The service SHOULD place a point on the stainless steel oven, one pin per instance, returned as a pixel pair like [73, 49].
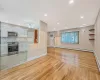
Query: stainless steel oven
[12, 48]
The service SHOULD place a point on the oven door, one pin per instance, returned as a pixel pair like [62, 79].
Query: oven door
[12, 48]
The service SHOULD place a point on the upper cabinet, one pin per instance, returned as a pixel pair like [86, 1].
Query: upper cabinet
[5, 28]
[22, 32]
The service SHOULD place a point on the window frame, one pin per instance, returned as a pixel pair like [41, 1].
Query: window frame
[69, 42]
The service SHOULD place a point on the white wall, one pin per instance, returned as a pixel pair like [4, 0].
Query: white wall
[40, 48]
[97, 39]
[84, 42]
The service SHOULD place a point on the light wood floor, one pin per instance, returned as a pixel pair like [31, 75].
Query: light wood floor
[59, 64]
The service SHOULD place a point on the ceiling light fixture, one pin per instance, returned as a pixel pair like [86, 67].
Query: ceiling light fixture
[71, 1]
[58, 23]
[81, 26]
[45, 15]
[81, 17]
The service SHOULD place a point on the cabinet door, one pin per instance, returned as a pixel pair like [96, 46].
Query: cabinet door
[4, 31]
[4, 49]
[22, 32]
[25, 33]
[23, 46]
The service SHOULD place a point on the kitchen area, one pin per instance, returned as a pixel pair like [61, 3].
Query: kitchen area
[14, 42]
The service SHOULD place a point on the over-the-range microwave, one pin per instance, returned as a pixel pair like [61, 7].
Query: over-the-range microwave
[12, 34]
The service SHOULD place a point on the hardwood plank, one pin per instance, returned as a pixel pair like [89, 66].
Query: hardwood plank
[59, 64]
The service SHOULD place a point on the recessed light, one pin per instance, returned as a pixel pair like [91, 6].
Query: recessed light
[71, 1]
[58, 23]
[81, 17]
[45, 15]
[81, 26]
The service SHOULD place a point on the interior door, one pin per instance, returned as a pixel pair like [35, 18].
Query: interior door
[52, 40]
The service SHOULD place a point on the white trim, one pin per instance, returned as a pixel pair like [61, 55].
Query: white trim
[82, 50]
[97, 60]
[51, 46]
[35, 57]
[73, 48]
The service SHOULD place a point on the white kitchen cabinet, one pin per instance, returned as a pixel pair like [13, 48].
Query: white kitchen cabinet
[4, 49]
[22, 32]
[25, 32]
[23, 46]
[5, 29]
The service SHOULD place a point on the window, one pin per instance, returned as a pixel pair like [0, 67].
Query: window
[70, 37]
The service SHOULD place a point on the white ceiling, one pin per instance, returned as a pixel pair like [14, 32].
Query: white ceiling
[58, 11]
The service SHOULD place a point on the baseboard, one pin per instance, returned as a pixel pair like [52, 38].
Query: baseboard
[83, 50]
[97, 60]
[35, 57]
[51, 46]
[74, 49]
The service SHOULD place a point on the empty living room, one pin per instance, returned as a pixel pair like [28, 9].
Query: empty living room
[49, 39]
